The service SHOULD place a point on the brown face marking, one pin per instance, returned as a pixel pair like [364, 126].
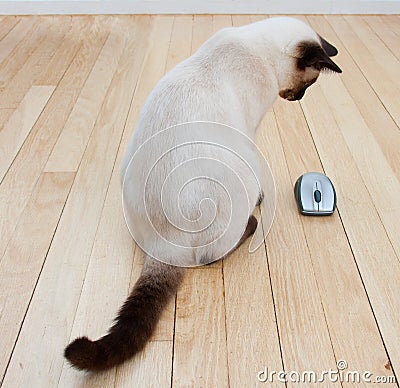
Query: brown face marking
[310, 58]
[311, 54]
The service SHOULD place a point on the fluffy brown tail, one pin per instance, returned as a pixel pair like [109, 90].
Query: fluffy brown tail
[135, 322]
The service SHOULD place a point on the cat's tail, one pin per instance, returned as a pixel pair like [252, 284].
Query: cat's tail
[135, 322]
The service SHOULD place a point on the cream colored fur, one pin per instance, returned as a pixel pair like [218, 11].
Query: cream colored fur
[233, 79]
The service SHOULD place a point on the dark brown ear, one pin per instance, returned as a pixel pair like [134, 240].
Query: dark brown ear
[330, 49]
[327, 63]
[311, 54]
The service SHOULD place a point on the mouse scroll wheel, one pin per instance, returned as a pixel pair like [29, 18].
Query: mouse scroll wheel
[317, 196]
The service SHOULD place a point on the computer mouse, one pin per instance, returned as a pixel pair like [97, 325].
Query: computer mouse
[315, 194]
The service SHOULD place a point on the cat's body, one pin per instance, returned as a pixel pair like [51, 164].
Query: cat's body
[232, 79]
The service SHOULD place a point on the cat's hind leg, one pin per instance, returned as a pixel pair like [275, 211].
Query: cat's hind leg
[250, 229]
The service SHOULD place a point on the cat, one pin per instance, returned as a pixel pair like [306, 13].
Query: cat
[232, 79]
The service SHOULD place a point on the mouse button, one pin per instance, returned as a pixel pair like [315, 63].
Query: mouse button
[317, 185]
[297, 187]
[317, 196]
[298, 194]
[306, 194]
[328, 197]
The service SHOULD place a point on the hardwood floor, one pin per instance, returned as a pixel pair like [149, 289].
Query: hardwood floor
[321, 290]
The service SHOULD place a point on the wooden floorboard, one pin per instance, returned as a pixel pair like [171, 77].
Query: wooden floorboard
[7, 24]
[319, 291]
[68, 151]
[17, 185]
[339, 285]
[111, 224]
[16, 47]
[298, 306]
[373, 58]
[373, 111]
[17, 128]
[25, 255]
[16, 88]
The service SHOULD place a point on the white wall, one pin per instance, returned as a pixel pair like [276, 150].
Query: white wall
[198, 6]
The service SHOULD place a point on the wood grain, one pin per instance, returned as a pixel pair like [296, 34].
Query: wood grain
[111, 258]
[155, 367]
[380, 181]
[21, 178]
[25, 55]
[376, 260]
[180, 42]
[53, 71]
[374, 59]
[250, 317]
[202, 30]
[68, 257]
[298, 305]
[200, 339]
[67, 152]
[351, 323]
[26, 252]
[7, 24]
[221, 21]
[16, 88]
[13, 47]
[385, 32]
[320, 290]
[374, 113]
[17, 128]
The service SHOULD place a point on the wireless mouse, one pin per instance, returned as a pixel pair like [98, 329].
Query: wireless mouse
[315, 194]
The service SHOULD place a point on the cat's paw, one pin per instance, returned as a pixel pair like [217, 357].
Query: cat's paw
[251, 226]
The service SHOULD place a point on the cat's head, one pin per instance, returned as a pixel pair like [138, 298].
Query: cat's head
[303, 55]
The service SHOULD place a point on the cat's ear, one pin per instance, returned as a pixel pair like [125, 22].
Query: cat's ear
[328, 64]
[313, 55]
[330, 49]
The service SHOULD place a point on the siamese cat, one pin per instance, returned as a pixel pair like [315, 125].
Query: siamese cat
[233, 79]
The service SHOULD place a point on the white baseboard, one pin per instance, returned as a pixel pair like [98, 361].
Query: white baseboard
[23, 7]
